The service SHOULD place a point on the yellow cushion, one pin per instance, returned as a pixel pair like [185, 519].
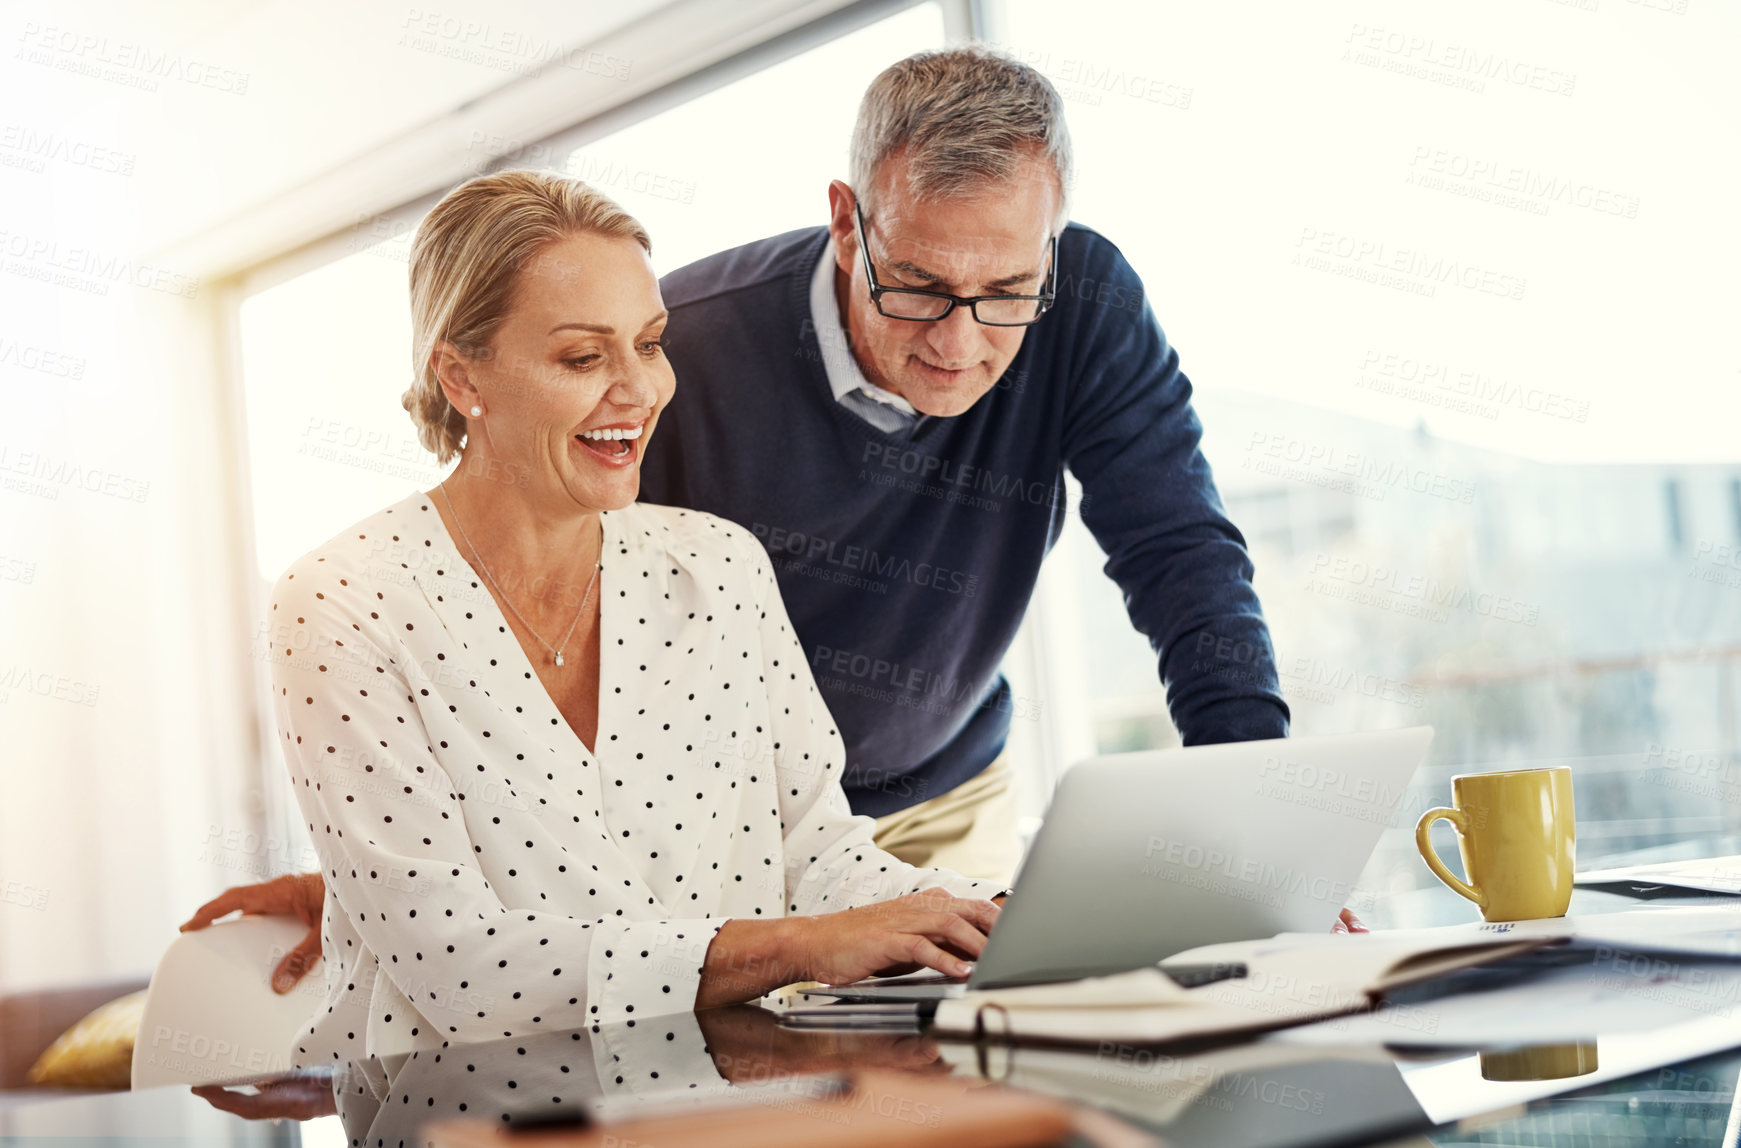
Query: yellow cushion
[97, 1052]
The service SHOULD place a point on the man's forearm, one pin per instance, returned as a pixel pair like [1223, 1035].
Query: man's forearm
[1249, 718]
[1223, 683]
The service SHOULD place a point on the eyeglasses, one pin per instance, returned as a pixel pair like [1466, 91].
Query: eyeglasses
[929, 306]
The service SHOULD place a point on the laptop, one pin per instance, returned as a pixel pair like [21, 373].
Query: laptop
[1145, 855]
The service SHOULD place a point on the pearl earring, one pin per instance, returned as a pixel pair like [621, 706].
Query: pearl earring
[477, 412]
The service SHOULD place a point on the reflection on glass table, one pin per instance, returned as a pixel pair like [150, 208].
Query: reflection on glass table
[1272, 1093]
[1692, 1105]
[1296, 1088]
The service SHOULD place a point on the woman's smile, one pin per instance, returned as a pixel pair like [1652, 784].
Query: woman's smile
[615, 446]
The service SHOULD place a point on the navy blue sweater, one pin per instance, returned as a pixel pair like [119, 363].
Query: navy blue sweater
[907, 561]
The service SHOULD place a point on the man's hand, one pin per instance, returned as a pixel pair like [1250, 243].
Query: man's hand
[1349, 923]
[298, 895]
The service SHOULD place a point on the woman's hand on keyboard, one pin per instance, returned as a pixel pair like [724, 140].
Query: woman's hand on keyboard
[928, 929]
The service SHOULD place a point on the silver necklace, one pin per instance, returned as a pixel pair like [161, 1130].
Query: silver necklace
[587, 597]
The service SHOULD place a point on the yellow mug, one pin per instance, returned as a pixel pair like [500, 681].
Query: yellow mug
[1514, 830]
[1540, 1062]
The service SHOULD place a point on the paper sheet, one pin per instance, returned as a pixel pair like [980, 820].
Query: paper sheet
[1707, 875]
[1703, 930]
[211, 1016]
[1619, 993]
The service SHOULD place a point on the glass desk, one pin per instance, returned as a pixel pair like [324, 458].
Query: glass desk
[1659, 1070]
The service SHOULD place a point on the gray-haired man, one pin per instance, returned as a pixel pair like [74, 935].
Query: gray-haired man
[889, 403]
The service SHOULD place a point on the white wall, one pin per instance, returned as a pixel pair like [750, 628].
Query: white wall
[129, 751]
[125, 726]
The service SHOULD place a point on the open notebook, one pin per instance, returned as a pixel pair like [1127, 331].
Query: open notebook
[1295, 977]
[1287, 979]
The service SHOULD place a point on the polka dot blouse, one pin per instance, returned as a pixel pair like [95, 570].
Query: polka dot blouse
[486, 875]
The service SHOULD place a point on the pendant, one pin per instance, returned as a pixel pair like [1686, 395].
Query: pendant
[559, 657]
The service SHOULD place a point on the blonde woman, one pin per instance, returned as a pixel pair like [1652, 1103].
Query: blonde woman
[560, 753]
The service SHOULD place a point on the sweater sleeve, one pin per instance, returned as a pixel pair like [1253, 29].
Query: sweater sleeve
[831, 860]
[1132, 439]
[391, 836]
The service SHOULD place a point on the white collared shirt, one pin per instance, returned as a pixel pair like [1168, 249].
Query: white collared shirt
[844, 374]
[488, 875]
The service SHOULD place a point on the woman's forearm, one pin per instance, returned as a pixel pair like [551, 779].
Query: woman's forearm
[927, 929]
[748, 959]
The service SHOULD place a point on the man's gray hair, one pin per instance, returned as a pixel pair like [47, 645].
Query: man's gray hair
[966, 117]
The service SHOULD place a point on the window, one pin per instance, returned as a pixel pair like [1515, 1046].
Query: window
[326, 354]
[1478, 459]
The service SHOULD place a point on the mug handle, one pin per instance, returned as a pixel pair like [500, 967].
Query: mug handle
[1424, 842]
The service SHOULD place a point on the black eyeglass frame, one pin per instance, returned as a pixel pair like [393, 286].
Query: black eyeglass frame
[877, 290]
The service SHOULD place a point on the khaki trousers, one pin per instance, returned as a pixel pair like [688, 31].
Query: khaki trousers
[971, 829]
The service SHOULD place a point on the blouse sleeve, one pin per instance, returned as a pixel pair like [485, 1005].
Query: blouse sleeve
[831, 861]
[396, 852]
